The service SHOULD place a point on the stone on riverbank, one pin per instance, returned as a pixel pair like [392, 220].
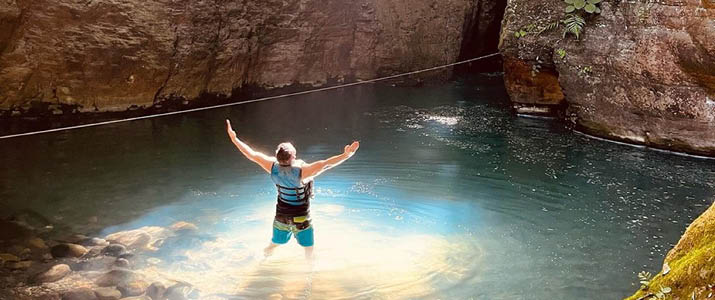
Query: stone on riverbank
[55, 273]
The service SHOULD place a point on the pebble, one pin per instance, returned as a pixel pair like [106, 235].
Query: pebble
[37, 243]
[116, 277]
[156, 291]
[80, 294]
[133, 288]
[8, 257]
[55, 273]
[107, 293]
[114, 250]
[68, 250]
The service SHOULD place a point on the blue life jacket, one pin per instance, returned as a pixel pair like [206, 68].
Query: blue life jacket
[291, 189]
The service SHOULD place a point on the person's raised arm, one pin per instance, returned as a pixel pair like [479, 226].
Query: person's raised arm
[265, 161]
[318, 167]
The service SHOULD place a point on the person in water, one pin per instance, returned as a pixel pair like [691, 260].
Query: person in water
[294, 181]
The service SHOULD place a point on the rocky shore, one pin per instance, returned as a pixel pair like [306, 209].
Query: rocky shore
[79, 267]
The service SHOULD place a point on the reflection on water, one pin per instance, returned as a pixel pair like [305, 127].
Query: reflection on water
[450, 196]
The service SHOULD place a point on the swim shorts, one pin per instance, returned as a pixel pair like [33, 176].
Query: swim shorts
[285, 226]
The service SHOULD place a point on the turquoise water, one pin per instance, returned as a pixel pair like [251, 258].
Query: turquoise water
[449, 197]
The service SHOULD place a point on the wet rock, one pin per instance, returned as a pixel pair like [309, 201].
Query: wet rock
[156, 291]
[139, 238]
[97, 242]
[37, 243]
[182, 291]
[114, 250]
[183, 226]
[122, 263]
[95, 264]
[20, 265]
[137, 298]
[116, 277]
[133, 288]
[80, 294]
[8, 257]
[107, 293]
[55, 273]
[68, 250]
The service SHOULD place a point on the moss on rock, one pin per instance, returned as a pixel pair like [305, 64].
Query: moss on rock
[691, 262]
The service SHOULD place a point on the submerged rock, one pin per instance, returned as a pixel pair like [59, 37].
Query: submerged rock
[107, 293]
[20, 265]
[133, 288]
[117, 277]
[138, 238]
[114, 250]
[55, 273]
[37, 243]
[80, 294]
[183, 226]
[156, 291]
[182, 291]
[68, 250]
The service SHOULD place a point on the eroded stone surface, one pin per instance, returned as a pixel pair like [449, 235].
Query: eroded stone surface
[643, 72]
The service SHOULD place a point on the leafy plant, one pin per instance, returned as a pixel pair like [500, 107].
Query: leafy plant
[644, 279]
[589, 6]
[574, 25]
[561, 53]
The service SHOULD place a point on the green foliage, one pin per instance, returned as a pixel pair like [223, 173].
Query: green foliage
[589, 6]
[574, 25]
[561, 53]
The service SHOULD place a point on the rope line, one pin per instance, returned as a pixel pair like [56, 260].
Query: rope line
[252, 100]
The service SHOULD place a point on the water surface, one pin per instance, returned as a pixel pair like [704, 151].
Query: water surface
[449, 197]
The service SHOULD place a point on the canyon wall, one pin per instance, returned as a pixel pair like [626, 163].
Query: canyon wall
[110, 55]
[641, 72]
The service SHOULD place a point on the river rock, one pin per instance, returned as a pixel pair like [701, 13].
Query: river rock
[183, 226]
[68, 250]
[182, 291]
[97, 242]
[55, 273]
[9, 257]
[122, 263]
[37, 243]
[133, 288]
[137, 298]
[20, 265]
[107, 293]
[94, 264]
[80, 294]
[156, 291]
[135, 239]
[116, 277]
[114, 250]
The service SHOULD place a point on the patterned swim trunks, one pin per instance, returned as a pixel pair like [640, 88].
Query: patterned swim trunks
[285, 226]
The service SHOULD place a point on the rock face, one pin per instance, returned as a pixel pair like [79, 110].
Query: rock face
[642, 71]
[690, 262]
[68, 56]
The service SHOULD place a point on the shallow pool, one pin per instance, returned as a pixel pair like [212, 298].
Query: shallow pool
[449, 197]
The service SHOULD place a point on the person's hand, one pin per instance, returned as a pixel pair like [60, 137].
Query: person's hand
[350, 149]
[229, 130]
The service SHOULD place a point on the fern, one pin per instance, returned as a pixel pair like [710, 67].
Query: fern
[574, 25]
